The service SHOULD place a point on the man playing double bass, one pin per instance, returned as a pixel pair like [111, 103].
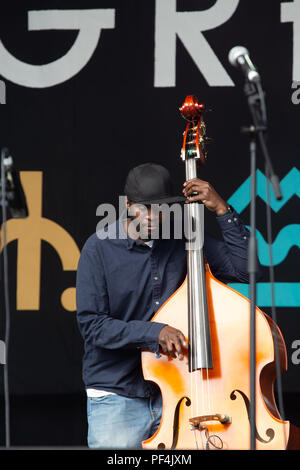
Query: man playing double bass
[122, 280]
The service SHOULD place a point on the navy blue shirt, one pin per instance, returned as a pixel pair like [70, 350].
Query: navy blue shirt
[122, 282]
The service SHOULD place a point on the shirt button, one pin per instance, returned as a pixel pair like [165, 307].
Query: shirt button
[155, 278]
[245, 238]
[157, 303]
[235, 219]
[229, 220]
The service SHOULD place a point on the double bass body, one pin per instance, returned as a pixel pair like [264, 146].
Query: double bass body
[223, 389]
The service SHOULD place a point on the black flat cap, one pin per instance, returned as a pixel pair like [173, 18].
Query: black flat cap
[150, 183]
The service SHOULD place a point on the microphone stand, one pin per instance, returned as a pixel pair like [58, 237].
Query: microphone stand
[12, 198]
[255, 97]
[4, 204]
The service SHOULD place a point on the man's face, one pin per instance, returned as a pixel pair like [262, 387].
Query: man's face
[147, 219]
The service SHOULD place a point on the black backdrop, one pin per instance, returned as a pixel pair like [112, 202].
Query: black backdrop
[85, 133]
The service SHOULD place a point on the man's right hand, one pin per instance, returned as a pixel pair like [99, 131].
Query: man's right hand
[172, 341]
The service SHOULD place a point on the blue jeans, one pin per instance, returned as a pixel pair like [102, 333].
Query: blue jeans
[117, 422]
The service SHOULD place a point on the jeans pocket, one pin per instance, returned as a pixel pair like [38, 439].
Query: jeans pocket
[93, 401]
[99, 399]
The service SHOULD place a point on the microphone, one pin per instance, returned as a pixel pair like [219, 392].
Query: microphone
[239, 57]
[15, 196]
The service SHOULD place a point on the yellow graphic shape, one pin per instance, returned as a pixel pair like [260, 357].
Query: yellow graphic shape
[29, 233]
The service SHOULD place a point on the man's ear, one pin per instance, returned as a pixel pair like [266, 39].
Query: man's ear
[129, 203]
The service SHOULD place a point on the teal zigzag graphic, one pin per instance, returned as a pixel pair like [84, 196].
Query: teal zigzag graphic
[290, 186]
[287, 294]
[287, 237]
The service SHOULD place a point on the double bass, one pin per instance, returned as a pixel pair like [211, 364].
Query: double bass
[206, 396]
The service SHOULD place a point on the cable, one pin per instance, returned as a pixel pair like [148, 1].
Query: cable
[269, 171]
[213, 443]
[273, 308]
[7, 309]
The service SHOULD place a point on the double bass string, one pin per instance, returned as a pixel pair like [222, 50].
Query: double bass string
[196, 409]
[200, 380]
[195, 386]
[194, 383]
[204, 372]
[208, 391]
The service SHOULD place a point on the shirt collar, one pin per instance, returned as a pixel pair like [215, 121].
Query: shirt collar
[123, 235]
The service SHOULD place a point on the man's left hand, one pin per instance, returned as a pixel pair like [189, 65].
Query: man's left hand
[206, 193]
